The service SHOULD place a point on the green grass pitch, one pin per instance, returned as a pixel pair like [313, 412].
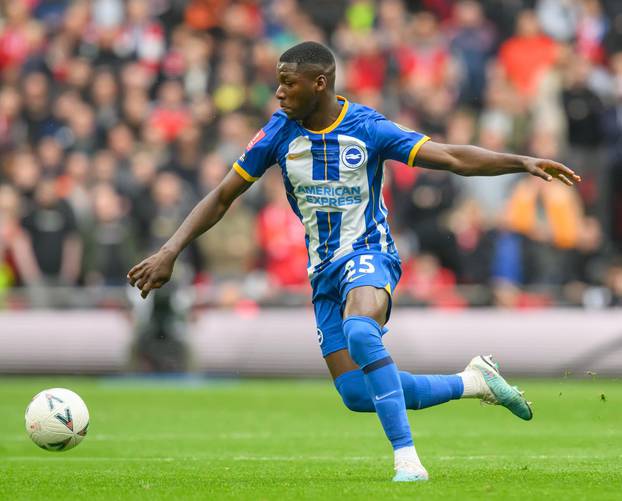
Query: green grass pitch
[274, 440]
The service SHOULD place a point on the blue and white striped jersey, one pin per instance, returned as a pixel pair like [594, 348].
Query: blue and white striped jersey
[333, 177]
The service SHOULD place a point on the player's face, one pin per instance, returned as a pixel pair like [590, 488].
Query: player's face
[297, 91]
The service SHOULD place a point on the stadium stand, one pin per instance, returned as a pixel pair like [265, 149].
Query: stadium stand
[116, 117]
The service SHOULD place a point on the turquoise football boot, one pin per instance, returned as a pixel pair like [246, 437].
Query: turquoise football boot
[497, 391]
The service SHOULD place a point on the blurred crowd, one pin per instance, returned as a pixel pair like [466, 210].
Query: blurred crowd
[116, 117]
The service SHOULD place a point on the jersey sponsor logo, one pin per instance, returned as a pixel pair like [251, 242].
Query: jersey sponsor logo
[353, 156]
[256, 138]
[333, 196]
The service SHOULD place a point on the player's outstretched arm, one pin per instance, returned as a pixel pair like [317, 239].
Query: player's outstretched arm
[156, 270]
[475, 161]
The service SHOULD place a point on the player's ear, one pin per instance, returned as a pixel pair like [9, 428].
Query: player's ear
[321, 82]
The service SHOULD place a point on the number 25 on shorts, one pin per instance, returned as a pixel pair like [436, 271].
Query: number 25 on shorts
[356, 270]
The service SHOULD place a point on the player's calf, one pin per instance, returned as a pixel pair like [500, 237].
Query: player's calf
[354, 394]
[385, 390]
[381, 377]
[420, 391]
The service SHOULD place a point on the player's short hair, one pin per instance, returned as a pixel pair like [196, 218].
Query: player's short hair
[308, 53]
[312, 54]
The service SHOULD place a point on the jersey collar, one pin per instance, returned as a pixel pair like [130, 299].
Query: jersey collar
[335, 124]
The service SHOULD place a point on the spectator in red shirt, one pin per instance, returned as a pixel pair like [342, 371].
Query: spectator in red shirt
[430, 284]
[281, 235]
[204, 14]
[526, 55]
[366, 71]
[20, 37]
[423, 57]
[171, 116]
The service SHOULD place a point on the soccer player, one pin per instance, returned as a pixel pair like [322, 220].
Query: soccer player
[331, 154]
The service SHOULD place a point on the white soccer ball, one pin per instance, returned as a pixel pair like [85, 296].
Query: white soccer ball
[57, 419]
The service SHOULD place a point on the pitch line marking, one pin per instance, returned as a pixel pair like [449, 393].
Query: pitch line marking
[213, 436]
[441, 458]
[298, 458]
[88, 458]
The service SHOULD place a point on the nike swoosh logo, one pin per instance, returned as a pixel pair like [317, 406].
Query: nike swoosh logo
[380, 397]
[355, 278]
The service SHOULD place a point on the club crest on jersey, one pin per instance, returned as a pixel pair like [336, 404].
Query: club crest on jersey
[256, 138]
[320, 336]
[353, 156]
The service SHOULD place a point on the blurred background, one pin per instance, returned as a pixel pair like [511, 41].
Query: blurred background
[116, 117]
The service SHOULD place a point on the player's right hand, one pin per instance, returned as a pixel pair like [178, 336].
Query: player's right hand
[152, 273]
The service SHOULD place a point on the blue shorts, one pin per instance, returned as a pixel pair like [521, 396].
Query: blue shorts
[332, 284]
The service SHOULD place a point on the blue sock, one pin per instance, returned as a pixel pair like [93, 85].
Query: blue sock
[381, 377]
[419, 391]
[353, 390]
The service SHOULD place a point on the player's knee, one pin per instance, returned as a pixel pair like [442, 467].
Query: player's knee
[368, 302]
[363, 335]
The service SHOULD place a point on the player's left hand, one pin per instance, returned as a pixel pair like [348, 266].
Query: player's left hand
[549, 170]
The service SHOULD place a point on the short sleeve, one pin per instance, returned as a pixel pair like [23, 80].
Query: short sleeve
[260, 152]
[394, 141]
